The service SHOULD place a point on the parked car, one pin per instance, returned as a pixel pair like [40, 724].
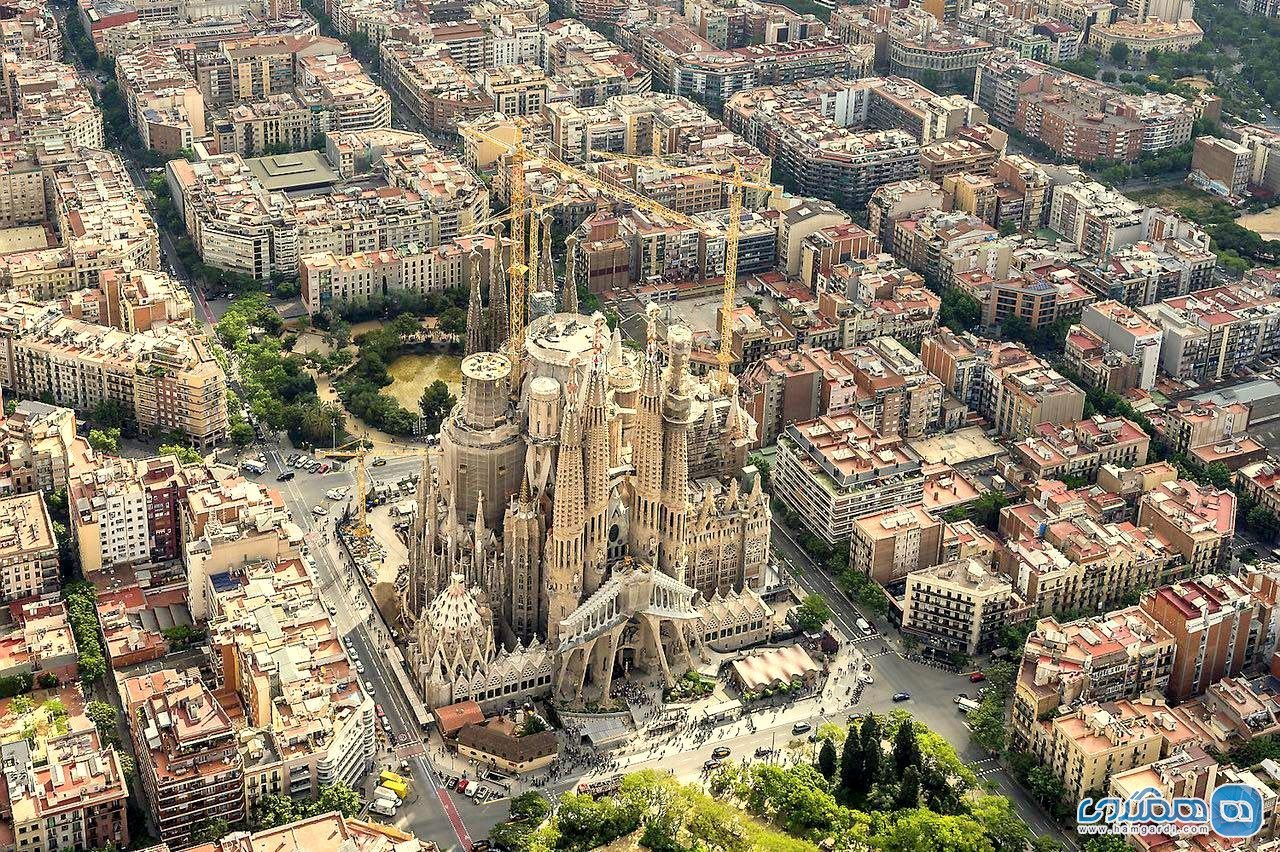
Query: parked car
[902, 696]
[866, 678]
[711, 765]
[377, 708]
[801, 728]
[319, 510]
[285, 476]
[359, 667]
[453, 782]
[977, 677]
[378, 461]
[324, 468]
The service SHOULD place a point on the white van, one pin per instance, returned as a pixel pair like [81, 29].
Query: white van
[966, 705]
[862, 625]
[254, 467]
[382, 809]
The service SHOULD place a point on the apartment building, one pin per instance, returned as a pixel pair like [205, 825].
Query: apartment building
[1091, 358]
[32, 31]
[826, 156]
[1260, 482]
[101, 217]
[1078, 118]
[957, 606]
[435, 88]
[1127, 332]
[1142, 37]
[1150, 271]
[890, 545]
[1191, 425]
[189, 760]
[165, 378]
[71, 797]
[835, 469]
[1220, 628]
[339, 85]
[1209, 334]
[250, 128]
[1030, 394]
[1225, 161]
[257, 67]
[39, 448]
[1122, 654]
[28, 550]
[47, 103]
[921, 48]
[327, 278]
[199, 36]
[1038, 296]
[1081, 562]
[276, 649]
[922, 239]
[1085, 747]
[1056, 450]
[888, 301]
[887, 387]
[22, 183]
[1197, 522]
[780, 389]
[162, 98]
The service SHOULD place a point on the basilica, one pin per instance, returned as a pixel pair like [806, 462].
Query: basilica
[584, 519]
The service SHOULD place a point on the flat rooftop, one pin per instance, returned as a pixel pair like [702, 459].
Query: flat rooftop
[289, 172]
[963, 445]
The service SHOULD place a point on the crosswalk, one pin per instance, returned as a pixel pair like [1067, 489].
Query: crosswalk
[985, 767]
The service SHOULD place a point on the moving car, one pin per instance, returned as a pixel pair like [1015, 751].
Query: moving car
[763, 751]
[720, 751]
[902, 696]
[378, 461]
[801, 728]
[285, 476]
[319, 510]
[862, 625]
[710, 765]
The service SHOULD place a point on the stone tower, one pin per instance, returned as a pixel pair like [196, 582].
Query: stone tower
[499, 317]
[595, 475]
[676, 412]
[646, 456]
[564, 557]
[569, 304]
[522, 538]
[476, 331]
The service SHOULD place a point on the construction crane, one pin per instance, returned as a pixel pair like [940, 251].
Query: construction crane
[520, 154]
[356, 451]
[738, 181]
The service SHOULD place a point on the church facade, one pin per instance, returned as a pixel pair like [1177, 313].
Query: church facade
[561, 539]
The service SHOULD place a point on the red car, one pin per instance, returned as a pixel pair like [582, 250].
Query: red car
[977, 677]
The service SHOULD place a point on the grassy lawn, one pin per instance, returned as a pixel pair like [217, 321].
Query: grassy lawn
[1174, 197]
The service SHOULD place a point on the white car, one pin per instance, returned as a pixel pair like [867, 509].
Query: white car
[359, 667]
[866, 678]
[319, 510]
[336, 493]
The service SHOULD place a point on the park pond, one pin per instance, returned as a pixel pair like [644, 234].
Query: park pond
[411, 373]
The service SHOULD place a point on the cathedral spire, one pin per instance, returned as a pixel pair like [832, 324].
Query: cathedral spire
[475, 312]
[569, 304]
[595, 472]
[646, 454]
[564, 560]
[499, 318]
[676, 416]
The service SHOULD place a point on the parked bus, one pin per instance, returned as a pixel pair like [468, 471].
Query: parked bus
[967, 706]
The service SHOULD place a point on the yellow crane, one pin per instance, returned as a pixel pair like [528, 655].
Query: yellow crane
[356, 451]
[520, 154]
[738, 181]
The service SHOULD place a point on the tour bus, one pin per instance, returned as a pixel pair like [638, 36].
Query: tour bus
[253, 466]
[966, 705]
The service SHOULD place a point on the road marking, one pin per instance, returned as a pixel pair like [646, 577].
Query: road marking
[459, 828]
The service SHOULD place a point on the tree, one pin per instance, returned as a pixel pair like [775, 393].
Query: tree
[105, 441]
[531, 806]
[909, 790]
[210, 830]
[1015, 327]
[103, 716]
[1108, 76]
[827, 760]
[906, 750]
[1006, 831]
[1008, 228]
[534, 724]
[185, 454]
[454, 322]
[959, 311]
[872, 751]
[1218, 475]
[813, 613]
[110, 413]
[21, 705]
[272, 811]
[436, 403]
[336, 797]
[925, 831]
[1120, 53]
[850, 762]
